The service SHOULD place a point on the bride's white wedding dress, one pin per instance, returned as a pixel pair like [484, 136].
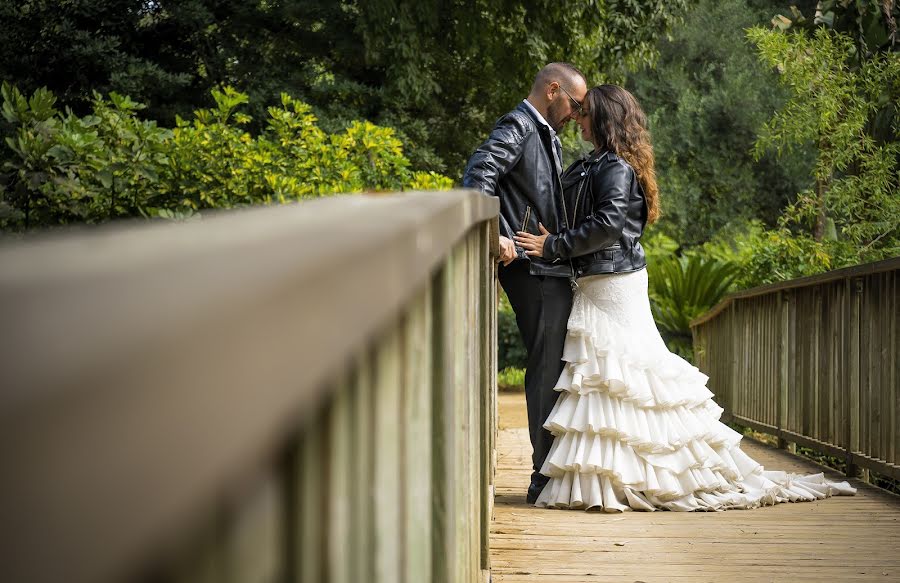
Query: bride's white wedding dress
[635, 426]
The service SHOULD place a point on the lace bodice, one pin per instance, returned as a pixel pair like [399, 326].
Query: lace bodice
[623, 297]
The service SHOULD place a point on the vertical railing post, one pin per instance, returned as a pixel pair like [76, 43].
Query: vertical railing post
[418, 450]
[339, 467]
[726, 359]
[362, 545]
[440, 464]
[487, 369]
[792, 340]
[386, 476]
[735, 344]
[854, 362]
[311, 520]
[784, 363]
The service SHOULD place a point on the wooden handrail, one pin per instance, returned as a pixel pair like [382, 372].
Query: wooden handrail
[813, 361]
[847, 272]
[150, 372]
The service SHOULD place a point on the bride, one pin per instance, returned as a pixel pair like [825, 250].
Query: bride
[634, 425]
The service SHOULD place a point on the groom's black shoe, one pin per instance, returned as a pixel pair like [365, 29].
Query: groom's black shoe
[534, 490]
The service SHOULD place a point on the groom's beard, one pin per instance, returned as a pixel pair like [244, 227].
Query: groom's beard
[557, 119]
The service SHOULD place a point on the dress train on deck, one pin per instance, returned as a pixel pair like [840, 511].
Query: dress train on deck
[635, 427]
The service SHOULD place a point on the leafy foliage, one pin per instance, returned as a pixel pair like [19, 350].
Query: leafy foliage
[511, 378]
[833, 106]
[64, 168]
[706, 99]
[219, 164]
[658, 246]
[419, 67]
[738, 190]
[511, 351]
[872, 24]
[779, 255]
[682, 288]
[763, 255]
[61, 168]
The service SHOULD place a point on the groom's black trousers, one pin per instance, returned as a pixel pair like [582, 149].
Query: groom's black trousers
[542, 305]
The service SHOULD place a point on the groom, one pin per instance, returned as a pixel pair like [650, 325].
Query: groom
[520, 163]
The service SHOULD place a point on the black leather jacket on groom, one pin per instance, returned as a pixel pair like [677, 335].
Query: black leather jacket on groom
[609, 214]
[516, 164]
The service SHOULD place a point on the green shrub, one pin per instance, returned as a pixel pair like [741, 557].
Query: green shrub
[511, 378]
[780, 255]
[658, 246]
[735, 243]
[846, 106]
[60, 168]
[764, 256]
[682, 288]
[510, 349]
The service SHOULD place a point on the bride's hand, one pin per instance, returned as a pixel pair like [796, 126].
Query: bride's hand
[532, 244]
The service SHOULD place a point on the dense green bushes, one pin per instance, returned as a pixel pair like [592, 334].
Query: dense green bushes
[59, 168]
[847, 107]
[439, 72]
[511, 378]
[706, 99]
[511, 354]
[837, 106]
[510, 350]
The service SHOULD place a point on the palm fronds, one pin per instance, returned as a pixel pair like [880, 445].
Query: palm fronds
[682, 288]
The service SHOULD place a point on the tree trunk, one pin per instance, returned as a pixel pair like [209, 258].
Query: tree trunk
[821, 187]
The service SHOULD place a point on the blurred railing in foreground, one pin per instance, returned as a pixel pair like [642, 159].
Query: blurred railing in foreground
[813, 361]
[298, 393]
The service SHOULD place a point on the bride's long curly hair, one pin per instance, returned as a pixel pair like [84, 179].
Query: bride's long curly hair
[619, 125]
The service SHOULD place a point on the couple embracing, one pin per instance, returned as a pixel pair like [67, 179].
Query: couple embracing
[617, 422]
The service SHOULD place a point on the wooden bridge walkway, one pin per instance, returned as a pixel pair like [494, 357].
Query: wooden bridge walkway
[840, 539]
[214, 402]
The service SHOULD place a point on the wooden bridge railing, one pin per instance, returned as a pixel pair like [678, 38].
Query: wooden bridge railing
[813, 361]
[299, 393]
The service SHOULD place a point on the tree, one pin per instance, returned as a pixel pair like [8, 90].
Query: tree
[833, 105]
[75, 48]
[439, 71]
[872, 24]
[706, 99]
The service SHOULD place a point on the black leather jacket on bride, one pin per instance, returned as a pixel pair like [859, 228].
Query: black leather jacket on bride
[610, 213]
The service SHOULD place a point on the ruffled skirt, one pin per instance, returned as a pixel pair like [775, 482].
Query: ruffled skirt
[635, 426]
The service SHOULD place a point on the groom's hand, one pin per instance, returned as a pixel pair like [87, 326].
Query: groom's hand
[533, 244]
[507, 251]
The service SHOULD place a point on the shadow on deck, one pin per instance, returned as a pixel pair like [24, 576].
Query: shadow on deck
[839, 539]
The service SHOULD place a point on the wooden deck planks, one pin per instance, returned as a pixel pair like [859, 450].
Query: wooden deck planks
[840, 539]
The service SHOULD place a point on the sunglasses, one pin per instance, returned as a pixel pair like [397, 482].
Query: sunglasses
[577, 107]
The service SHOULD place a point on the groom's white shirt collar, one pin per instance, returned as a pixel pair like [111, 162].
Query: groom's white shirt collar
[540, 117]
[557, 154]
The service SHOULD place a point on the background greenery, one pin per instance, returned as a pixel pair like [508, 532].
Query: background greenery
[777, 148]
[61, 168]
[775, 130]
[777, 154]
[775, 126]
[419, 67]
[706, 99]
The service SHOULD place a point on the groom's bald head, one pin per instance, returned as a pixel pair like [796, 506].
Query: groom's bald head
[557, 93]
[563, 73]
